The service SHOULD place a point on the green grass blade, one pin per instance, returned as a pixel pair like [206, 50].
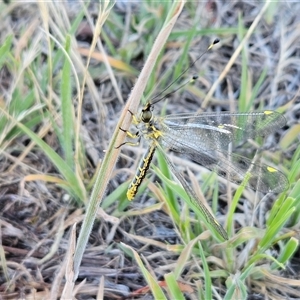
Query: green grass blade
[173, 287]
[153, 284]
[67, 109]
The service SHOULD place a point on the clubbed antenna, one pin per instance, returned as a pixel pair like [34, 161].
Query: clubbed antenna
[155, 100]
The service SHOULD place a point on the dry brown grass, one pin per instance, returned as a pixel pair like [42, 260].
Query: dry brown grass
[36, 212]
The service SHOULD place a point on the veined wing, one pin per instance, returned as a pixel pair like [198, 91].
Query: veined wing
[218, 130]
[193, 197]
[231, 166]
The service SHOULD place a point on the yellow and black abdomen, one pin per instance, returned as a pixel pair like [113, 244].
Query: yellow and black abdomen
[141, 172]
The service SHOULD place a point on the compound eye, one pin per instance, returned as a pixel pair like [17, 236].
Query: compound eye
[146, 116]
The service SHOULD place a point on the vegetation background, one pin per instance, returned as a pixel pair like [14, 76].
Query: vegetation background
[66, 70]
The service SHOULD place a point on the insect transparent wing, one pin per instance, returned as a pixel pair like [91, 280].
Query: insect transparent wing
[234, 167]
[227, 127]
[193, 197]
[204, 137]
[231, 166]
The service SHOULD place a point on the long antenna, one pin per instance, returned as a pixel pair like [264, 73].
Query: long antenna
[216, 41]
[174, 91]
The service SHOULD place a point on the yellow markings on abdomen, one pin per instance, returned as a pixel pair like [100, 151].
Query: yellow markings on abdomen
[141, 173]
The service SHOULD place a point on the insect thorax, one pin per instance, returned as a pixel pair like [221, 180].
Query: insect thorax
[150, 130]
